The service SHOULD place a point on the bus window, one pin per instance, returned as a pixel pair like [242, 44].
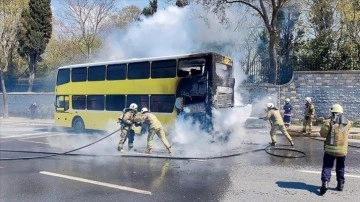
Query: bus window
[116, 72]
[62, 103]
[78, 74]
[140, 100]
[162, 103]
[163, 69]
[139, 70]
[79, 101]
[115, 102]
[95, 102]
[191, 67]
[96, 73]
[63, 76]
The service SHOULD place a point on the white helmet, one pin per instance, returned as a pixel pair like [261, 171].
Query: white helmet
[287, 100]
[144, 109]
[336, 108]
[269, 105]
[308, 99]
[133, 106]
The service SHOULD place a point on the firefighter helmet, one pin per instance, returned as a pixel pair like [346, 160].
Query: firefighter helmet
[133, 106]
[287, 100]
[308, 99]
[269, 105]
[336, 108]
[144, 109]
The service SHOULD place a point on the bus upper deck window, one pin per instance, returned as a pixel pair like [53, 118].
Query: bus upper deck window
[139, 70]
[63, 76]
[96, 73]
[78, 74]
[116, 72]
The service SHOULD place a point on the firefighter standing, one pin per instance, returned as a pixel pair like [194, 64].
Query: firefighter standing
[287, 113]
[336, 132]
[309, 115]
[275, 119]
[127, 125]
[154, 127]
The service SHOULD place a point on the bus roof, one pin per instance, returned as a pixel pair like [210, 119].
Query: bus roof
[139, 60]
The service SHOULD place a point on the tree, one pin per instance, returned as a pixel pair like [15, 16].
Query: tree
[126, 16]
[268, 11]
[10, 12]
[182, 3]
[151, 10]
[34, 33]
[83, 21]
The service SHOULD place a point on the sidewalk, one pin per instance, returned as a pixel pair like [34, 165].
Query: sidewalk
[295, 130]
[25, 120]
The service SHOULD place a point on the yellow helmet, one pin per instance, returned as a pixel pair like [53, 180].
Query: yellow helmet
[336, 108]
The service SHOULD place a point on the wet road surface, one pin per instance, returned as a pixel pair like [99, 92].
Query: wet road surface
[100, 173]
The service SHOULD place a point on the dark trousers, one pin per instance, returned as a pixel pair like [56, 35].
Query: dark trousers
[328, 163]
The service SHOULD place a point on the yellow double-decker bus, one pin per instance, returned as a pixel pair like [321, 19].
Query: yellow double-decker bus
[92, 95]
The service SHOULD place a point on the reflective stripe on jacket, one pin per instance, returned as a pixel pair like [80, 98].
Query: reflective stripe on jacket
[336, 142]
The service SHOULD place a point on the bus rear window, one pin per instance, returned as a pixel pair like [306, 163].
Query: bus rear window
[96, 73]
[115, 102]
[191, 67]
[162, 103]
[163, 69]
[140, 100]
[139, 70]
[63, 76]
[78, 74]
[95, 102]
[116, 72]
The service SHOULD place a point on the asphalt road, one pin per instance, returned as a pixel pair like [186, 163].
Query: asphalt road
[193, 172]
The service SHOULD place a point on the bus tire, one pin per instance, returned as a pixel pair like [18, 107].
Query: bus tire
[78, 125]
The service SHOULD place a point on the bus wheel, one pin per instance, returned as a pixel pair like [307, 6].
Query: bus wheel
[79, 125]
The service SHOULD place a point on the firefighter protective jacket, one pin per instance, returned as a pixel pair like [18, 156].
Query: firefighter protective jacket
[309, 110]
[127, 119]
[274, 116]
[151, 120]
[336, 142]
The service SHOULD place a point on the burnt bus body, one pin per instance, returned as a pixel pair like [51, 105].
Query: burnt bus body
[208, 85]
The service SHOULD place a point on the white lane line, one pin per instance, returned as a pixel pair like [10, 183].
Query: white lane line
[25, 135]
[41, 136]
[21, 140]
[97, 183]
[332, 173]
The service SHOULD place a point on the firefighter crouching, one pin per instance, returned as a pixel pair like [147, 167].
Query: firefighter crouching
[275, 119]
[127, 127]
[309, 115]
[336, 131]
[154, 126]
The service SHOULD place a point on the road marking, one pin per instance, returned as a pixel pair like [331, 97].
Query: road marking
[41, 136]
[332, 173]
[21, 140]
[25, 135]
[97, 183]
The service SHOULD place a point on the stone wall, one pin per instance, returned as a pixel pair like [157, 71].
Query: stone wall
[19, 104]
[325, 89]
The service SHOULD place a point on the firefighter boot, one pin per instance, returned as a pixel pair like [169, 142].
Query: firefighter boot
[120, 148]
[169, 149]
[272, 143]
[324, 188]
[340, 186]
[148, 151]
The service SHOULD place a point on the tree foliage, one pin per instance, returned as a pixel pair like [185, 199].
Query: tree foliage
[34, 33]
[151, 9]
[126, 16]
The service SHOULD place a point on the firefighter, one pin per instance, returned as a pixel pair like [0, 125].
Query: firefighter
[127, 127]
[336, 132]
[287, 113]
[154, 127]
[309, 115]
[275, 119]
